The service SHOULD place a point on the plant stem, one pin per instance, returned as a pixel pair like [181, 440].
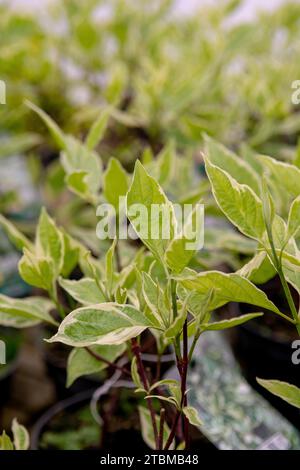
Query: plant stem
[286, 289]
[192, 348]
[175, 314]
[161, 429]
[185, 363]
[289, 299]
[54, 297]
[137, 352]
[173, 430]
[106, 361]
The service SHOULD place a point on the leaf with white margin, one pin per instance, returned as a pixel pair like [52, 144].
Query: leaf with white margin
[21, 436]
[227, 288]
[85, 290]
[49, 241]
[147, 428]
[293, 225]
[284, 390]
[81, 362]
[16, 237]
[182, 248]
[286, 175]
[192, 415]
[259, 269]
[156, 230]
[230, 323]
[22, 313]
[238, 202]
[228, 161]
[106, 323]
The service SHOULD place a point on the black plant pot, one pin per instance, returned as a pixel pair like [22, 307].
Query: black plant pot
[123, 440]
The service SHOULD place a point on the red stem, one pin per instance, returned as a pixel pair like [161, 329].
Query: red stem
[161, 429]
[137, 352]
[106, 361]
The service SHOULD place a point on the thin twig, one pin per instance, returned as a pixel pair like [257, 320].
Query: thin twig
[106, 361]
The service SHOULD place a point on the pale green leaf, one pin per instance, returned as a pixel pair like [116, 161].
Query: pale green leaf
[147, 429]
[115, 183]
[227, 288]
[135, 374]
[192, 415]
[228, 161]
[293, 224]
[85, 290]
[284, 390]
[97, 130]
[81, 362]
[287, 176]
[50, 241]
[5, 442]
[37, 271]
[106, 323]
[238, 202]
[150, 212]
[21, 313]
[16, 237]
[21, 436]
[182, 248]
[230, 323]
[57, 134]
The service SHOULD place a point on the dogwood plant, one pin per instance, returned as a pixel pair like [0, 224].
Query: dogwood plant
[250, 201]
[116, 306]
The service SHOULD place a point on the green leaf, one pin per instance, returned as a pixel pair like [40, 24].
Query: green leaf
[85, 290]
[182, 248]
[57, 134]
[16, 237]
[286, 176]
[83, 168]
[227, 288]
[37, 271]
[5, 442]
[154, 298]
[50, 241]
[293, 224]
[284, 390]
[155, 223]
[115, 183]
[259, 269]
[71, 254]
[192, 415]
[21, 436]
[106, 323]
[228, 161]
[21, 313]
[230, 323]
[109, 267]
[162, 383]
[147, 429]
[81, 362]
[238, 202]
[268, 205]
[135, 375]
[97, 130]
